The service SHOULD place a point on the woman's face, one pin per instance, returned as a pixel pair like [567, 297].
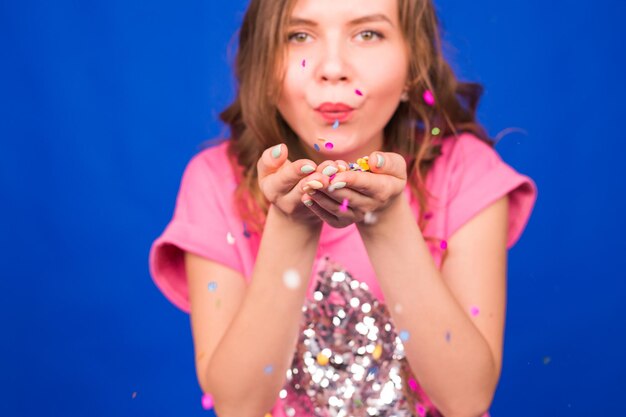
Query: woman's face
[349, 52]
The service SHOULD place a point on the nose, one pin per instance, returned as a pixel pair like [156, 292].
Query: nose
[333, 66]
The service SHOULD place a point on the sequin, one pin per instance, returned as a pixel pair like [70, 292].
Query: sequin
[364, 371]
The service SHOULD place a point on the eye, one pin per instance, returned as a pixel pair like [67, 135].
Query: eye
[298, 37]
[368, 35]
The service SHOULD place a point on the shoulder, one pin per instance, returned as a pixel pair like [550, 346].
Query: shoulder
[209, 167]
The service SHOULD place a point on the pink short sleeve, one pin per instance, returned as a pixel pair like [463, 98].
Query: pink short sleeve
[477, 178]
[199, 225]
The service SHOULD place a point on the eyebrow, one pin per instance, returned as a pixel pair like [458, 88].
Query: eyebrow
[364, 19]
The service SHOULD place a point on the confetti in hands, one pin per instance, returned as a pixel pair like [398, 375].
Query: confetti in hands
[356, 190]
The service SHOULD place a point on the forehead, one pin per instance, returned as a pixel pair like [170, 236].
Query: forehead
[343, 11]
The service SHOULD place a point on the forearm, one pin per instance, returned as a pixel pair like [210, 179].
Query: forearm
[457, 372]
[264, 332]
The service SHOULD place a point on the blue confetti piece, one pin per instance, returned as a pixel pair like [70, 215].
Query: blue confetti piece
[373, 370]
[447, 336]
[268, 369]
[336, 124]
[316, 146]
[212, 286]
[404, 335]
[246, 233]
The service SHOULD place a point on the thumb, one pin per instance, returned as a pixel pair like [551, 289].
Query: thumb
[389, 163]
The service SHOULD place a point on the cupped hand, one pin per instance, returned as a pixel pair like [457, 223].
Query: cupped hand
[352, 194]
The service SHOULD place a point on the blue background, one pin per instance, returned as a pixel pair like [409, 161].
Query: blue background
[102, 105]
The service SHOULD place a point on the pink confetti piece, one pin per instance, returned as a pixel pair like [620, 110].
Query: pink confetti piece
[420, 410]
[475, 311]
[413, 384]
[428, 215]
[448, 337]
[303, 63]
[358, 92]
[444, 245]
[344, 205]
[329, 145]
[207, 401]
[429, 98]
[331, 177]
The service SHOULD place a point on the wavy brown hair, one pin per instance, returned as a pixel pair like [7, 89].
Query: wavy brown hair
[255, 123]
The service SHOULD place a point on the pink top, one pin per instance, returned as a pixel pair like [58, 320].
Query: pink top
[466, 178]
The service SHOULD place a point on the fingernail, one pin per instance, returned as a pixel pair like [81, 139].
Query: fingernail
[308, 203]
[329, 170]
[381, 160]
[316, 185]
[336, 186]
[276, 151]
[307, 169]
[342, 168]
[306, 188]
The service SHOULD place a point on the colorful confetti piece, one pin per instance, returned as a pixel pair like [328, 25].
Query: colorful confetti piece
[404, 335]
[443, 245]
[303, 63]
[547, 360]
[475, 311]
[329, 145]
[370, 218]
[448, 337]
[212, 286]
[435, 131]
[268, 369]
[230, 238]
[421, 411]
[134, 395]
[246, 232]
[429, 98]
[428, 215]
[336, 124]
[317, 147]
[344, 205]
[207, 401]
[358, 92]
[413, 384]
[291, 279]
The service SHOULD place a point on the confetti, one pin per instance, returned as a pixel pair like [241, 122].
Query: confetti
[448, 337]
[268, 369]
[404, 335]
[358, 92]
[372, 371]
[435, 131]
[336, 124]
[344, 205]
[329, 145]
[420, 410]
[246, 232]
[317, 147]
[207, 401]
[230, 238]
[212, 286]
[413, 384]
[429, 98]
[443, 245]
[322, 359]
[475, 311]
[303, 63]
[363, 163]
[291, 279]
[546, 360]
[134, 394]
[370, 218]
[428, 215]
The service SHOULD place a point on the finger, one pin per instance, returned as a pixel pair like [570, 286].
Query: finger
[343, 209]
[322, 213]
[271, 160]
[389, 163]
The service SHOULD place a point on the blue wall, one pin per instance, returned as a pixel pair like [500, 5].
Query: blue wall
[103, 103]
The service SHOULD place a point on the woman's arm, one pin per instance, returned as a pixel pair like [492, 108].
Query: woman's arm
[248, 366]
[455, 356]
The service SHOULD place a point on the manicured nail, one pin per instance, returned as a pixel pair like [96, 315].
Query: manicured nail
[307, 169]
[381, 160]
[308, 203]
[336, 186]
[329, 170]
[316, 185]
[276, 151]
[342, 168]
